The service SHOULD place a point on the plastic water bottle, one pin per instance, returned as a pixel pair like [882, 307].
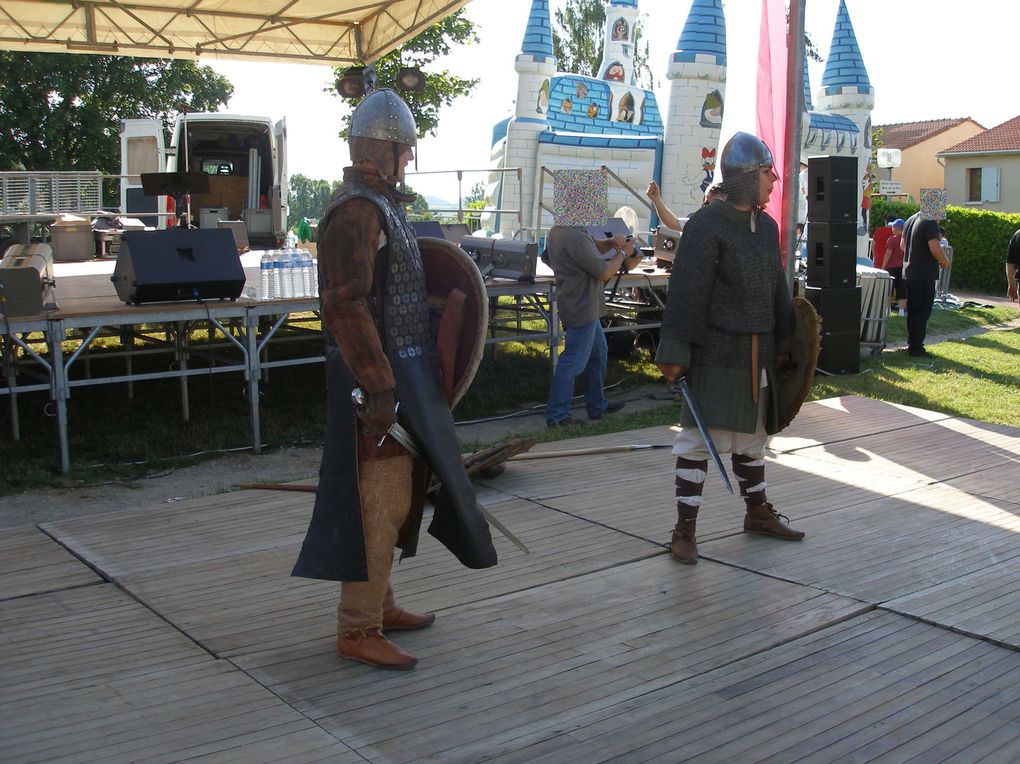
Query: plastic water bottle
[266, 276]
[315, 277]
[277, 281]
[291, 240]
[286, 275]
[306, 273]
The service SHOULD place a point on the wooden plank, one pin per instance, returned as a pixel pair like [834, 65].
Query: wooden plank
[985, 603]
[89, 673]
[886, 548]
[778, 705]
[595, 647]
[31, 563]
[223, 576]
[583, 640]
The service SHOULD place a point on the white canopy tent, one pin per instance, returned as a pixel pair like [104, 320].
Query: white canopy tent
[335, 32]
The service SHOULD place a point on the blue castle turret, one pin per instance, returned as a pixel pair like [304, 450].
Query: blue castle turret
[842, 123]
[697, 69]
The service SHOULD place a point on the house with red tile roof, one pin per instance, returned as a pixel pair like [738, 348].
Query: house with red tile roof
[920, 143]
[983, 171]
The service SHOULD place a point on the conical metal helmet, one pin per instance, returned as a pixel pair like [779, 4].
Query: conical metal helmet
[383, 116]
[742, 157]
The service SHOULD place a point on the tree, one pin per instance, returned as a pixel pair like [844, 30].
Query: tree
[307, 198]
[579, 37]
[61, 111]
[441, 88]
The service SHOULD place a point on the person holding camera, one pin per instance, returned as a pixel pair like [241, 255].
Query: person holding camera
[581, 269]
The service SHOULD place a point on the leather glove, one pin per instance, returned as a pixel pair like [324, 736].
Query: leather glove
[380, 412]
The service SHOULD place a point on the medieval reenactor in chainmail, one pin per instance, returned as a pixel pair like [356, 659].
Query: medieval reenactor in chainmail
[375, 317]
[727, 316]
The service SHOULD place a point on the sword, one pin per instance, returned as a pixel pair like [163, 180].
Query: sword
[685, 390]
[404, 438]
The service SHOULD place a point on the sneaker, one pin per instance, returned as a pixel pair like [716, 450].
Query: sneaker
[918, 353]
[612, 408]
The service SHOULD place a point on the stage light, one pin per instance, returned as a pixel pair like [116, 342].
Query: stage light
[411, 78]
[352, 84]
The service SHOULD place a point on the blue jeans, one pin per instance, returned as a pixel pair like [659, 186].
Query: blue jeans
[584, 352]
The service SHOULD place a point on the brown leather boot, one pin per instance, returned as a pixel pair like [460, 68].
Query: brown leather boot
[763, 520]
[398, 619]
[371, 647]
[683, 548]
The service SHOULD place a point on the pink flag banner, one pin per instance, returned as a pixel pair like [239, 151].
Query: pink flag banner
[771, 101]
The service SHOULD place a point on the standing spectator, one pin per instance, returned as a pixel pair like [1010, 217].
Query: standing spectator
[878, 241]
[578, 263]
[1013, 266]
[892, 261]
[922, 258]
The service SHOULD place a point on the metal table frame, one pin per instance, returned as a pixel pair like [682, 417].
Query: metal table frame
[245, 332]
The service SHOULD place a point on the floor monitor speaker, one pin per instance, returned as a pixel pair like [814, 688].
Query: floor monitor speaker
[181, 264]
[832, 190]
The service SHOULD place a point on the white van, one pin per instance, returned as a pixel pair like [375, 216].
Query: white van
[244, 157]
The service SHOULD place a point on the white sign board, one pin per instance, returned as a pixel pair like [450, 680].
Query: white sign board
[890, 187]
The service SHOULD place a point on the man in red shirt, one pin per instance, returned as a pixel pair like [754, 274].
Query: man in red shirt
[879, 239]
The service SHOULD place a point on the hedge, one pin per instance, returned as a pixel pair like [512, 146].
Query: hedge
[979, 239]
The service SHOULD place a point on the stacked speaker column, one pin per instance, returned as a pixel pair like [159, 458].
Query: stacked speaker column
[832, 260]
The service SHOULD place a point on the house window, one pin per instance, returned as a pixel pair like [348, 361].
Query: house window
[982, 184]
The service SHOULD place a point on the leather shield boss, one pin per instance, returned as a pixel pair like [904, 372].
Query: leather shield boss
[458, 310]
[793, 380]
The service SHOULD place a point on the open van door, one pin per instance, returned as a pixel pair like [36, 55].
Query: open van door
[280, 188]
[142, 150]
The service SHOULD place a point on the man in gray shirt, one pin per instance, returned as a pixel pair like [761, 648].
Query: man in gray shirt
[581, 269]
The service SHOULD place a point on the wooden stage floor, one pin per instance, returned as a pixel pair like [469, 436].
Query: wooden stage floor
[890, 634]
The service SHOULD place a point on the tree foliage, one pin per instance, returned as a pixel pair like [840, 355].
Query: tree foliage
[307, 198]
[61, 111]
[441, 87]
[579, 34]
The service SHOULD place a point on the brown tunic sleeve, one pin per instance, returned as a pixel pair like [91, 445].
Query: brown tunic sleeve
[347, 259]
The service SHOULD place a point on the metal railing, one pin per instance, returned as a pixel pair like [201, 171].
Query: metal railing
[460, 209]
[24, 193]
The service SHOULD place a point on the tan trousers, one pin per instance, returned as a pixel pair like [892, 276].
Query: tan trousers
[385, 486]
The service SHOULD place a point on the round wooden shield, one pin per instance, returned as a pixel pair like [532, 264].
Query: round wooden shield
[459, 308]
[793, 382]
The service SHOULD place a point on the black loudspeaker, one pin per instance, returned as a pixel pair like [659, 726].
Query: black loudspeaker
[183, 264]
[841, 352]
[832, 190]
[840, 310]
[832, 254]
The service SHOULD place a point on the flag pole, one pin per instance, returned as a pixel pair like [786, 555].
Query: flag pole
[794, 125]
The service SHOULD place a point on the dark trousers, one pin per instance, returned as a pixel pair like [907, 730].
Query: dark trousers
[920, 298]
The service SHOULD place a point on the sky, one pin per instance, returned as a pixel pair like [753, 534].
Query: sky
[926, 60]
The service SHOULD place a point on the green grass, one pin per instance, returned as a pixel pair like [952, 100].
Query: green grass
[117, 437]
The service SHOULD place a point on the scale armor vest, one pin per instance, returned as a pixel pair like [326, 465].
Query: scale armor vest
[401, 313]
[404, 319]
